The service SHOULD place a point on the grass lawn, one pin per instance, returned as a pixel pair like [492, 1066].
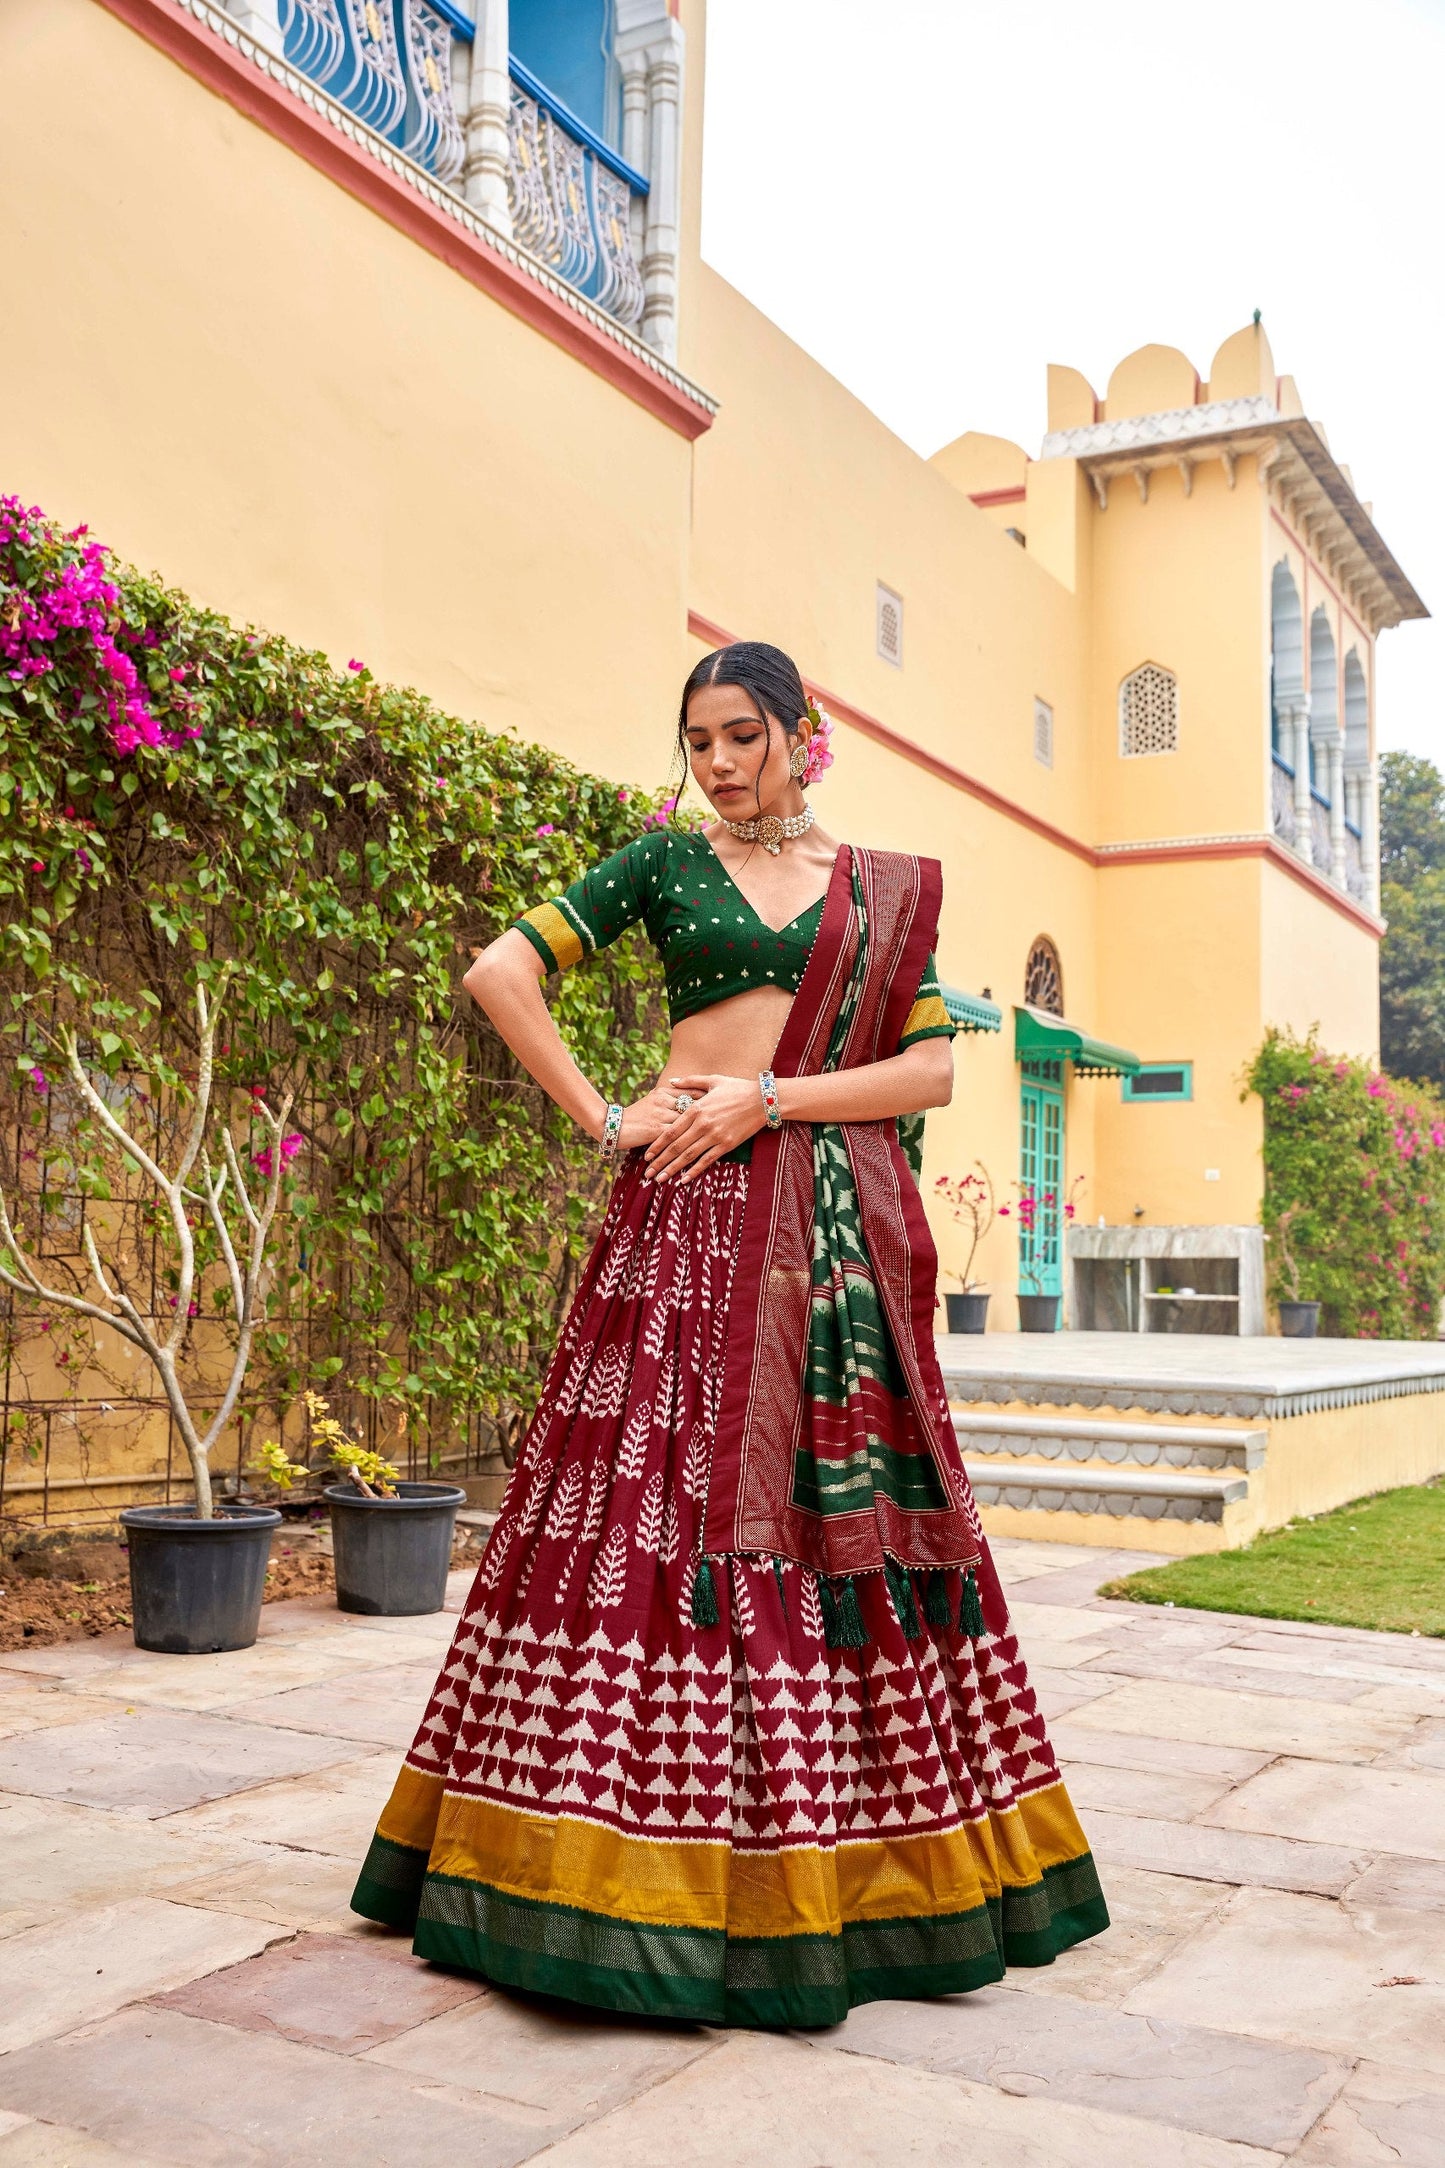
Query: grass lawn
[1379, 1562]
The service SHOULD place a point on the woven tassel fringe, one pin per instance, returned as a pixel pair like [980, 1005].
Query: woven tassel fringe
[900, 1588]
[828, 1604]
[852, 1633]
[704, 1595]
[970, 1609]
[936, 1607]
[782, 1592]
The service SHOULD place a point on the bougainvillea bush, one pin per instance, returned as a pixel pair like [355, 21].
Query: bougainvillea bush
[178, 794]
[1354, 1166]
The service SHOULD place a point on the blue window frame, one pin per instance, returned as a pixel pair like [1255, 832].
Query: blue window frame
[1158, 1080]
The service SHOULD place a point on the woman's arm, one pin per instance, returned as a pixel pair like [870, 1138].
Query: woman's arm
[731, 1108]
[506, 981]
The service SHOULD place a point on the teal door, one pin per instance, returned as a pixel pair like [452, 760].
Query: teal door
[1041, 1171]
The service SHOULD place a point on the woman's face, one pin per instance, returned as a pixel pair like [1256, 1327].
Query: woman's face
[732, 763]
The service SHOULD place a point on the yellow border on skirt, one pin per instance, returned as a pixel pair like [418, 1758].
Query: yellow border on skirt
[798, 1889]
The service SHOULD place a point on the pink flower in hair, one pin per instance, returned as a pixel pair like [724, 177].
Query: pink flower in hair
[820, 747]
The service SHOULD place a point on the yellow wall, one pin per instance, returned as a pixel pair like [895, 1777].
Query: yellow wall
[240, 376]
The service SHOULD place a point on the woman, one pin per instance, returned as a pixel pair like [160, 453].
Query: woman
[733, 1727]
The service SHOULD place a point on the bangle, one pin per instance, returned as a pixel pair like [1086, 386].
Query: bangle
[611, 1131]
[768, 1087]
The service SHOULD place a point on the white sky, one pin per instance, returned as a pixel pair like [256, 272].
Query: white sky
[938, 197]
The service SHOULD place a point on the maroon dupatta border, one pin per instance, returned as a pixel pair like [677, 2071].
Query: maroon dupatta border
[764, 1405]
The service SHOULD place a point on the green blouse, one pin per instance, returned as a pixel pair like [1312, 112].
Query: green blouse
[710, 939]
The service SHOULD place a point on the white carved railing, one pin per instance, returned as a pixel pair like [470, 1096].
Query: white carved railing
[571, 204]
[1281, 792]
[400, 86]
[1320, 833]
[1356, 879]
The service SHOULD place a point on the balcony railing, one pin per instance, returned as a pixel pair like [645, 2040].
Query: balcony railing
[390, 63]
[1281, 796]
[574, 202]
[572, 198]
[1355, 880]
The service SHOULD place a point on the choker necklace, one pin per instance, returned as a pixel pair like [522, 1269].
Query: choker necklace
[772, 830]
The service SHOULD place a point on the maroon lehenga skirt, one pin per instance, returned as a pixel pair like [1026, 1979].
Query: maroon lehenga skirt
[757, 1808]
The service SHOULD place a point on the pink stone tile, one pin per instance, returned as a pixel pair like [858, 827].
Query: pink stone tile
[340, 1992]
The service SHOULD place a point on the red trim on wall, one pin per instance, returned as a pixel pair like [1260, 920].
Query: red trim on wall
[843, 711]
[1143, 854]
[231, 76]
[1015, 495]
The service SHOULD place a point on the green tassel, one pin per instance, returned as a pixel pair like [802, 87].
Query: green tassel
[852, 1633]
[936, 1607]
[704, 1596]
[828, 1604]
[970, 1610]
[900, 1588]
[782, 1592]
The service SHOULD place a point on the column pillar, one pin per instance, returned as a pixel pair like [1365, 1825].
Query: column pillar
[659, 252]
[1370, 834]
[1338, 871]
[1303, 812]
[488, 157]
[634, 136]
[260, 19]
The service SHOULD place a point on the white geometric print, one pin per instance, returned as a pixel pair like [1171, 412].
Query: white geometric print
[649, 1514]
[562, 1515]
[608, 1580]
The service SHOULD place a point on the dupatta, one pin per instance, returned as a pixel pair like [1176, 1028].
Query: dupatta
[834, 1444]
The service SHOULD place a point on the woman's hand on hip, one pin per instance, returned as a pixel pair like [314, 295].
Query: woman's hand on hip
[646, 1120]
[726, 1110]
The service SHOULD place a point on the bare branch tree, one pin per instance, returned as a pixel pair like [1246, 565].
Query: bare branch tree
[242, 1251]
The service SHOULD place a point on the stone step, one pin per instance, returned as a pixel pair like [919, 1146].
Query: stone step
[1111, 1439]
[1153, 1494]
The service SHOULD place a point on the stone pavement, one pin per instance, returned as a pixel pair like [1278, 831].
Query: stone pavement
[181, 1982]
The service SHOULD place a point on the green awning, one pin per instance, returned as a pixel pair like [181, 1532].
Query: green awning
[970, 1012]
[1041, 1037]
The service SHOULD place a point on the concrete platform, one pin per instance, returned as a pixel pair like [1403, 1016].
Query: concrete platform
[181, 1981]
[1186, 1373]
[1141, 1438]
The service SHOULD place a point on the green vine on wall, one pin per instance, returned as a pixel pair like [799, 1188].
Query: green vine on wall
[1354, 1166]
[177, 794]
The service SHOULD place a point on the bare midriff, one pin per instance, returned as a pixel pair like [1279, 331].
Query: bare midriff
[736, 1037]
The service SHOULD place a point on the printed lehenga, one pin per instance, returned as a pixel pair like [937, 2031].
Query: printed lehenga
[733, 1726]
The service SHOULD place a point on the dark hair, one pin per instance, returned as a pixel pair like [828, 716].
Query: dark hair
[765, 673]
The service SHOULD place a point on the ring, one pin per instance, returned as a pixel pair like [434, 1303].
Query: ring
[682, 1102]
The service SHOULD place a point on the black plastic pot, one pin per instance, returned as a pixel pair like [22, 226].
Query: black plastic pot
[391, 1555]
[1299, 1320]
[196, 1586]
[1039, 1313]
[966, 1313]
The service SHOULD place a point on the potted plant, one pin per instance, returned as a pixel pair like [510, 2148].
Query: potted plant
[391, 1540]
[1298, 1320]
[970, 1199]
[1038, 1312]
[197, 1571]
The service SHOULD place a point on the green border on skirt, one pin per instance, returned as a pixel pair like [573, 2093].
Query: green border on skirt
[702, 1974]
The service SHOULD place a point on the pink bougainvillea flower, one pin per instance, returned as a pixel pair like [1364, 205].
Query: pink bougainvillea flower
[1376, 1087]
[546, 829]
[39, 1081]
[355, 665]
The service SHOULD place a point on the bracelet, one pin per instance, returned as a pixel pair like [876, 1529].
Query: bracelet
[768, 1087]
[611, 1131]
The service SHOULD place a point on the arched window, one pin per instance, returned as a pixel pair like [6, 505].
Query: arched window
[1357, 716]
[1324, 701]
[1286, 659]
[1044, 978]
[1148, 712]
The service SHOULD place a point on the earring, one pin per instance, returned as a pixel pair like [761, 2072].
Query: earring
[799, 760]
